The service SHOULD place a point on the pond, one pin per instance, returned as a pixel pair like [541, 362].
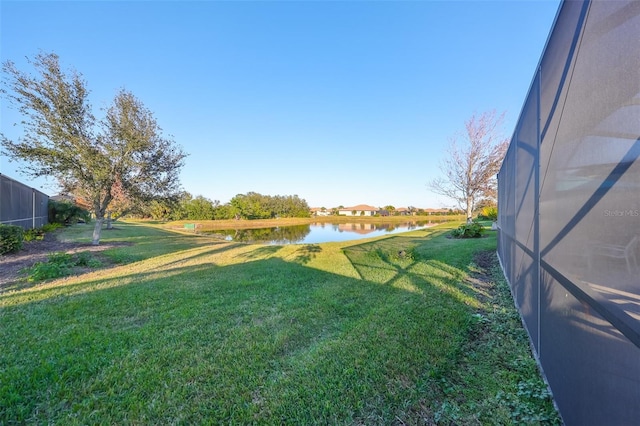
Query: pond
[319, 232]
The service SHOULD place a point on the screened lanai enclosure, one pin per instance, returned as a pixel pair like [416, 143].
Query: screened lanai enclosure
[569, 212]
[22, 205]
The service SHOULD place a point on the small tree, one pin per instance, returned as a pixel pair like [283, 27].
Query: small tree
[470, 170]
[123, 155]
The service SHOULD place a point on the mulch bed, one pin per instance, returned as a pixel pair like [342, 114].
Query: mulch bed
[11, 264]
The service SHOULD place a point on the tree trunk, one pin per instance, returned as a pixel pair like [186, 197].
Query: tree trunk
[469, 210]
[96, 231]
[109, 221]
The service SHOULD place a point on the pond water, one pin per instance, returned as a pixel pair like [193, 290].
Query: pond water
[319, 232]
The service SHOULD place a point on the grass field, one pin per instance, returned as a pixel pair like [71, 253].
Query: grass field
[407, 329]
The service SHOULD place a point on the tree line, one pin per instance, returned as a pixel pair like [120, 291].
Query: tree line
[251, 205]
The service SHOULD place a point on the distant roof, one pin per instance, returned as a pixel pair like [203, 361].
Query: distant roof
[362, 207]
[62, 197]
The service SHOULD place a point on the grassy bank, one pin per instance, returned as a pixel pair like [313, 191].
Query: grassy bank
[212, 225]
[410, 329]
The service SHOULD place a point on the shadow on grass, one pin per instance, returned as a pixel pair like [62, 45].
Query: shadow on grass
[416, 260]
[43, 289]
[195, 342]
[307, 253]
[216, 334]
[261, 252]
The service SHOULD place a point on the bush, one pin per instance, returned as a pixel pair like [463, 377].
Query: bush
[85, 258]
[489, 213]
[37, 234]
[34, 234]
[11, 238]
[66, 213]
[468, 230]
[60, 264]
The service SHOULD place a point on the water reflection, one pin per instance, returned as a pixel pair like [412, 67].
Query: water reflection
[276, 235]
[319, 232]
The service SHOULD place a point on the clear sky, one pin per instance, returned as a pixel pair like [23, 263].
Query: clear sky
[338, 102]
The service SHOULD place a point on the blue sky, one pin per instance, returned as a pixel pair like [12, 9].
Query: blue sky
[338, 102]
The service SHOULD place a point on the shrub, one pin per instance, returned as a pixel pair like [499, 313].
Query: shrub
[37, 234]
[11, 238]
[66, 213]
[60, 264]
[468, 230]
[489, 213]
[34, 234]
[85, 258]
[60, 257]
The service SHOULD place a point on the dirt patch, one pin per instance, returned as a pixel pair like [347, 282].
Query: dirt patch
[486, 260]
[481, 279]
[11, 264]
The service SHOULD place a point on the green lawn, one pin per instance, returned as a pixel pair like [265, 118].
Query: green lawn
[187, 329]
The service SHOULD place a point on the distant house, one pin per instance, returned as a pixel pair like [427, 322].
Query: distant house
[359, 210]
[320, 211]
[402, 211]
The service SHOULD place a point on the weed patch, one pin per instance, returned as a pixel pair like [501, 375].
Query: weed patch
[60, 264]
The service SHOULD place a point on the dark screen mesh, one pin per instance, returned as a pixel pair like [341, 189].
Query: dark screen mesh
[21, 205]
[569, 200]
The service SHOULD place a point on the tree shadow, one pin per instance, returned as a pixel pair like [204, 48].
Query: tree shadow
[268, 321]
[260, 252]
[58, 285]
[306, 253]
[396, 262]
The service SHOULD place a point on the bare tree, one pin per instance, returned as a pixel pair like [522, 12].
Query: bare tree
[124, 155]
[472, 162]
